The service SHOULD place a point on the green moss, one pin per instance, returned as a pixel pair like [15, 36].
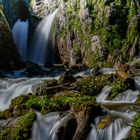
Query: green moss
[34, 102]
[91, 85]
[81, 102]
[118, 87]
[6, 114]
[22, 127]
[135, 132]
[18, 101]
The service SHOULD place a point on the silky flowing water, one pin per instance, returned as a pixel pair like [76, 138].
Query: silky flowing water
[20, 36]
[40, 47]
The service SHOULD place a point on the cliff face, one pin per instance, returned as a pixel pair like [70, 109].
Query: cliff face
[94, 33]
[9, 58]
[15, 9]
[98, 32]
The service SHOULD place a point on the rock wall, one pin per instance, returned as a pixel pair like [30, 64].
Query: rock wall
[98, 33]
[15, 9]
[9, 57]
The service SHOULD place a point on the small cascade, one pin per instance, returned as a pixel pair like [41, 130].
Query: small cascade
[128, 96]
[13, 88]
[20, 37]
[45, 127]
[117, 130]
[41, 49]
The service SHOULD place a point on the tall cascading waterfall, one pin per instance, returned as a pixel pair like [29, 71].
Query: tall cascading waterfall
[20, 37]
[41, 50]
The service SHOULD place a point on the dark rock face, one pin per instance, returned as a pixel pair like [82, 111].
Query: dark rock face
[16, 9]
[9, 57]
[33, 69]
[67, 77]
[68, 127]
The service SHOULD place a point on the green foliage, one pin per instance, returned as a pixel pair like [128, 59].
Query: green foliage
[34, 102]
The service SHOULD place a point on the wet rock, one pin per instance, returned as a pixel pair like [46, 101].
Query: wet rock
[9, 57]
[16, 10]
[91, 85]
[103, 123]
[67, 77]
[49, 87]
[120, 85]
[33, 69]
[67, 128]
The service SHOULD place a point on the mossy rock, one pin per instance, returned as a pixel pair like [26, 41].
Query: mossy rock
[18, 101]
[92, 85]
[135, 131]
[120, 85]
[20, 129]
[17, 107]
[104, 122]
[67, 77]
[46, 88]
[6, 114]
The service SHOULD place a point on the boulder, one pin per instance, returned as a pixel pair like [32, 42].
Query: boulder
[67, 128]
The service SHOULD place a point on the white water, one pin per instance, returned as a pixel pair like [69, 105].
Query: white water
[42, 128]
[117, 130]
[120, 128]
[45, 127]
[20, 36]
[128, 96]
[40, 48]
[107, 70]
[12, 88]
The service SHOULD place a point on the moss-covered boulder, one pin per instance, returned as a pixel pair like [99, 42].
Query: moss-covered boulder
[9, 57]
[18, 129]
[120, 85]
[92, 85]
[135, 132]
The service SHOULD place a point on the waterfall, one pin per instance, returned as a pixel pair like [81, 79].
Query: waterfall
[40, 48]
[20, 36]
[117, 130]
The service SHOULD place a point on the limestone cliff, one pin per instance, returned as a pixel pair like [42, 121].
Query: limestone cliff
[101, 33]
